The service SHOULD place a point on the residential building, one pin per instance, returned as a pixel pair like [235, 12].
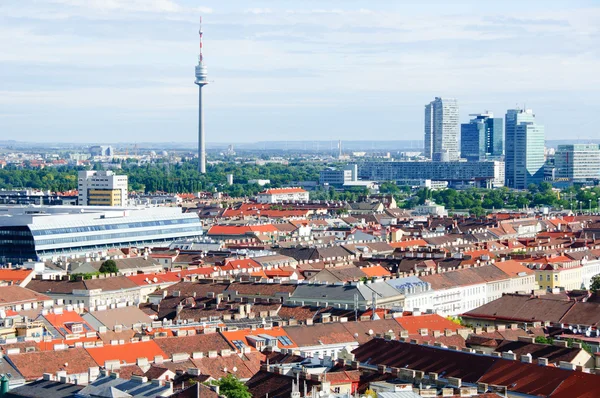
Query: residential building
[441, 129]
[98, 293]
[556, 272]
[482, 138]
[577, 162]
[352, 295]
[279, 195]
[47, 232]
[101, 188]
[484, 174]
[525, 141]
[506, 375]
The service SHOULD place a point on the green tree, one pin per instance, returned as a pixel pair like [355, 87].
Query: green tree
[231, 387]
[109, 267]
[544, 340]
[595, 287]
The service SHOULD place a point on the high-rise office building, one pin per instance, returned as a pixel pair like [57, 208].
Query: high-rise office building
[101, 188]
[441, 129]
[525, 141]
[577, 162]
[482, 138]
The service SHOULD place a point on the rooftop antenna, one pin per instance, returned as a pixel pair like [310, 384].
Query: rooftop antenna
[200, 59]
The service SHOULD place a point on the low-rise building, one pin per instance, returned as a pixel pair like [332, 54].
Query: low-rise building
[279, 195]
[556, 272]
[48, 232]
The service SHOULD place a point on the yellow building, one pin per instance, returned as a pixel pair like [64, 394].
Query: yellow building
[556, 272]
[104, 197]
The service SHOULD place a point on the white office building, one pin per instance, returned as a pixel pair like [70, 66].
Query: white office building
[279, 195]
[45, 232]
[442, 129]
[577, 162]
[101, 188]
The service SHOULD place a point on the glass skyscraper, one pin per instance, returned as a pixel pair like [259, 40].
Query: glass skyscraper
[441, 129]
[482, 138]
[525, 143]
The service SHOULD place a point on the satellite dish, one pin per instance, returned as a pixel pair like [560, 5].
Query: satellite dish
[370, 332]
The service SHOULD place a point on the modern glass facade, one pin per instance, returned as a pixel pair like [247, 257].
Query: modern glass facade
[482, 138]
[47, 236]
[485, 174]
[577, 162]
[525, 144]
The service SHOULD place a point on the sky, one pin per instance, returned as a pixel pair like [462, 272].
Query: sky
[123, 70]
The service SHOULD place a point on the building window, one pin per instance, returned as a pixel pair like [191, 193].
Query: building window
[556, 277]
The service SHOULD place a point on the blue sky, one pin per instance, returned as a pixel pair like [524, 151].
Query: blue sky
[123, 70]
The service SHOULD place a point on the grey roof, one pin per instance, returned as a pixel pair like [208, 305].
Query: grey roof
[328, 292]
[399, 394]
[14, 377]
[379, 286]
[108, 387]
[45, 389]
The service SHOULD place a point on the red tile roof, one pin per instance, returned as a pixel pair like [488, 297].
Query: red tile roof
[244, 333]
[33, 365]
[63, 322]
[156, 278]
[275, 191]
[241, 229]
[375, 271]
[432, 322]
[128, 352]
[14, 275]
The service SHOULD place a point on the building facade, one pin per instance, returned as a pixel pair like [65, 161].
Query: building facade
[525, 142]
[441, 130]
[101, 188]
[484, 174]
[279, 195]
[482, 138]
[339, 177]
[577, 162]
[50, 231]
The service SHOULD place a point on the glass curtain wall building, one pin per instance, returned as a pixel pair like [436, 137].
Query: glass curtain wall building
[45, 232]
[482, 138]
[577, 162]
[525, 144]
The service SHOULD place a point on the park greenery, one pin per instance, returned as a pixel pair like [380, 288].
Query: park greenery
[183, 177]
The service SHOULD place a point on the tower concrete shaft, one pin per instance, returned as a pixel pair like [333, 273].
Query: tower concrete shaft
[201, 81]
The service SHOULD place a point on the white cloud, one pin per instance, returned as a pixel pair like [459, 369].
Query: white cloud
[339, 53]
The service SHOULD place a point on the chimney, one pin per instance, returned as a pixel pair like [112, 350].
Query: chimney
[526, 358]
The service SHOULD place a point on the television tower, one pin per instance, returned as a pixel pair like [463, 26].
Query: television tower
[201, 81]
